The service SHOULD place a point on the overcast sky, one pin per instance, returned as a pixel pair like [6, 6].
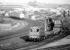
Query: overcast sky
[44, 1]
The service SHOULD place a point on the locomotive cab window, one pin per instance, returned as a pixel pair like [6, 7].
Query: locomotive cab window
[37, 30]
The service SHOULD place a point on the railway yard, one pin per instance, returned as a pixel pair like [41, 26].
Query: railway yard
[10, 40]
[14, 25]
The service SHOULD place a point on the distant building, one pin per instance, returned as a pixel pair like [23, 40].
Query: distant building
[18, 9]
[17, 14]
[33, 17]
[21, 15]
[7, 14]
[2, 13]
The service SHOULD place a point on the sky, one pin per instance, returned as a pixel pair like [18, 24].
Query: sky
[43, 1]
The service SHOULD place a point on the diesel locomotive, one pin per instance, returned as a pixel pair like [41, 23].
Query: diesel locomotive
[39, 33]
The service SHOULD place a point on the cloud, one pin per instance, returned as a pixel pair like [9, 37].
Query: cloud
[55, 1]
[44, 1]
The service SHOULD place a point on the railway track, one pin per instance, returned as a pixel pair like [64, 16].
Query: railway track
[45, 42]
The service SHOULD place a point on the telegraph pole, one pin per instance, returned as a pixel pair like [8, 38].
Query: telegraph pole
[45, 23]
